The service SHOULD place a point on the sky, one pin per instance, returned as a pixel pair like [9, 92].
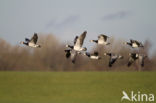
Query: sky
[121, 19]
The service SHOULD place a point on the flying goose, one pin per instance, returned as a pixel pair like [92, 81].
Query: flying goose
[134, 43]
[78, 42]
[102, 40]
[133, 57]
[71, 54]
[113, 58]
[95, 55]
[31, 42]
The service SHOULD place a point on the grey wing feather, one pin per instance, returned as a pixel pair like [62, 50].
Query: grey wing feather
[73, 56]
[75, 40]
[80, 39]
[103, 37]
[34, 38]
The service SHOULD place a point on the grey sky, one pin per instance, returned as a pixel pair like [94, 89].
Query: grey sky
[66, 18]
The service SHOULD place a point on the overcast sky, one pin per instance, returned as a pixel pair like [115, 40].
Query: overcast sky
[124, 19]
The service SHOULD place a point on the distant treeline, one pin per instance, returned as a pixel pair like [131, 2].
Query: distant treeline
[51, 57]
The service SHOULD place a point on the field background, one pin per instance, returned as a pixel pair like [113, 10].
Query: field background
[73, 87]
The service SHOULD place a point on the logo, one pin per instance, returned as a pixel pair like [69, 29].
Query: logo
[137, 97]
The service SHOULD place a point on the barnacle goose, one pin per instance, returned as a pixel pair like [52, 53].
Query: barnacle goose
[31, 42]
[102, 40]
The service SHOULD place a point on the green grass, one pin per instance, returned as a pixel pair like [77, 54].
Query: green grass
[73, 87]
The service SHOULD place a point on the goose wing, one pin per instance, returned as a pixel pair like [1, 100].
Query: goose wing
[80, 39]
[137, 42]
[73, 56]
[130, 61]
[141, 59]
[96, 53]
[75, 40]
[27, 40]
[102, 37]
[132, 41]
[34, 38]
[68, 53]
[112, 61]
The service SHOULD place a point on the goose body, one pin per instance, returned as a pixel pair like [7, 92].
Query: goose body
[113, 58]
[95, 55]
[31, 42]
[102, 40]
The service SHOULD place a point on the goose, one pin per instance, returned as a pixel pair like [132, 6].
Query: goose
[71, 54]
[95, 55]
[134, 43]
[133, 57]
[102, 40]
[78, 42]
[31, 42]
[113, 58]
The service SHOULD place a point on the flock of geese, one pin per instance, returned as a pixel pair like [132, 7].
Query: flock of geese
[77, 49]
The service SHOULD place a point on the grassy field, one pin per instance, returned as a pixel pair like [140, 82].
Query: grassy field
[73, 87]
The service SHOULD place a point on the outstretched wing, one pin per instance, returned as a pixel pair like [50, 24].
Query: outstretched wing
[96, 53]
[75, 40]
[112, 61]
[73, 56]
[131, 60]
[68, 54]
[34, 38]
[102, 37]
[80, 39]
[27, 40]
[141, 60]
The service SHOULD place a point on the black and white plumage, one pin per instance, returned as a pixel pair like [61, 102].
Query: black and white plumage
[133, 57]
[32, 42]
[102, 40]
[134, 43]
[94, 55]
[113, 58]
[78, 42]
[71, 54]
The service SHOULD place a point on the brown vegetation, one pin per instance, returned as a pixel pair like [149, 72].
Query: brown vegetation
[51, 57]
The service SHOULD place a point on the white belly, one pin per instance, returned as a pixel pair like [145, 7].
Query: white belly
[100, 42]
[94, 57]
[77, 48]
[134, 45]
[33, 45]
